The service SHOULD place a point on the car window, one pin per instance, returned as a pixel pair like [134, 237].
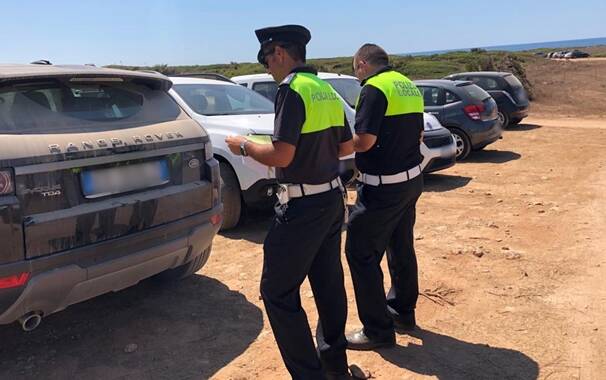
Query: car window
[451, 97]
[267, 89]
[348, 88]
[56, 106]
[485, 83]
[431, 95]
[222, 99]
[475, 92]
[513, 81]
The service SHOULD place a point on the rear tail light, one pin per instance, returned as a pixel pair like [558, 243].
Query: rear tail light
[474, 111]
[216, 219]
[7, 185]
[14, 281]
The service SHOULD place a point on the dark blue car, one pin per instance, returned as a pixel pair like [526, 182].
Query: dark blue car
[505, 89]
[469, 112]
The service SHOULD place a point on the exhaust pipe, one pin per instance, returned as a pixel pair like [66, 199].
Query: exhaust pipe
[30, 321]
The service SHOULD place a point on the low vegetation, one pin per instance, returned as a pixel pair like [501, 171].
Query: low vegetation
[415, 67]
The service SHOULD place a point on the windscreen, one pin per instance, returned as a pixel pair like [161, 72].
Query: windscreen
[74, 105]
[223, 99]
[519, 93]
[348, 88]
[475, 92]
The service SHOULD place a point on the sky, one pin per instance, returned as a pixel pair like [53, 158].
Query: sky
[185, 32]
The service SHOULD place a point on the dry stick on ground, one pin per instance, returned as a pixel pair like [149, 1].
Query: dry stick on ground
[438, 295]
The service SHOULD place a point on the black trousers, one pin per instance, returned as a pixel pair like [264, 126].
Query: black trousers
[382, 220]
[305, 240]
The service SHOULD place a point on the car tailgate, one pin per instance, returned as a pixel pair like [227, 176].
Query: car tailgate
[154, 177]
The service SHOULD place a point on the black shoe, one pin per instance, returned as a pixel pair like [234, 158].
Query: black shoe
[357, 340]
[354, 373]
[403, 322]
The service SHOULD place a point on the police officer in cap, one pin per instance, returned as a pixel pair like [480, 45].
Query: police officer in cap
[388, 130]
[304, 240]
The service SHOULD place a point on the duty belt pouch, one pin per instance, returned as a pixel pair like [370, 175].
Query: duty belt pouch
[345, 209]
[282, 194]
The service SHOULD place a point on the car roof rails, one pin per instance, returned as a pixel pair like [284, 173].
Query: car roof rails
[151, 72]
[214, 76]
[41, 62]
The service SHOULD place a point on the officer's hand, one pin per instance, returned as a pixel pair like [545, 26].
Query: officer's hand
[233, 143]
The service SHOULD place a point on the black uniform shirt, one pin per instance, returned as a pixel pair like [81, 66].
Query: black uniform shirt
[397, 147]
[317, 154]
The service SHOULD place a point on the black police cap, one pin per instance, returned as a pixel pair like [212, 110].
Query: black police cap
[295, 34]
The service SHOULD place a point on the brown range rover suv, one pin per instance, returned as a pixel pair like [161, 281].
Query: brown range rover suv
[104, 181]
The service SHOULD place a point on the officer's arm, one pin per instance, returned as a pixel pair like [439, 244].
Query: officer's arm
[346, 145]
[279, 154]
[346, 148]
[370, 112]
[364, 141]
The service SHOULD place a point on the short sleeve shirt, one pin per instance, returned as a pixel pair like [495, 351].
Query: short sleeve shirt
[397, 147]
[317, 154]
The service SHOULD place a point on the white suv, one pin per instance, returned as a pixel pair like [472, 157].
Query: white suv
[438, 148]
[224, 109]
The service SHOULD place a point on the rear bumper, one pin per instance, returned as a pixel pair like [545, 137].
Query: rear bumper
[58, 281]
[439, 163]
[489, 132]
[520, 113]
[439, 151]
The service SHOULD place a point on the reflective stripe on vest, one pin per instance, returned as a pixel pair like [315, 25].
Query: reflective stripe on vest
[402, 95]
[323, 109]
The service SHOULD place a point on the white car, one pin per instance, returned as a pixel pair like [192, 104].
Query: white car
[224, 109]
[438, 148]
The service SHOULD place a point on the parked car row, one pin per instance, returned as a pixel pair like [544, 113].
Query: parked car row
[569, 54]
[465, 113]
[507, 91]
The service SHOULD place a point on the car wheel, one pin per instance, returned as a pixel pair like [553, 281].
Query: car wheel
[503, 118]
[230, 196]
[515, 121]
[184, 270]
[462, 143]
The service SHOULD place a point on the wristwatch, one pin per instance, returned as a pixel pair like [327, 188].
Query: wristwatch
[243, 151]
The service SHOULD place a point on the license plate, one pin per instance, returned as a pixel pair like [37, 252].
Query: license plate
[103, 182]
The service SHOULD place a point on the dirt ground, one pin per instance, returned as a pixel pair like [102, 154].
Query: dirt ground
[512, 259]
[568, 88]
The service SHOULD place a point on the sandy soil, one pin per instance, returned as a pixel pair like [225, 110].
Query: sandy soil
[568, 88]
[512, 260]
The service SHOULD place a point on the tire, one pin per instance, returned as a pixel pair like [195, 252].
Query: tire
[185, 270]
[504, 119]
[515, 121]
[230, 196]
[462, 142]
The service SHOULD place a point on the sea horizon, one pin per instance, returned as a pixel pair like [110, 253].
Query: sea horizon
[585, 42]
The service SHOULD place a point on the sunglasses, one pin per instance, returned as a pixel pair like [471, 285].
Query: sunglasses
[270, 51]
[267, 53]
